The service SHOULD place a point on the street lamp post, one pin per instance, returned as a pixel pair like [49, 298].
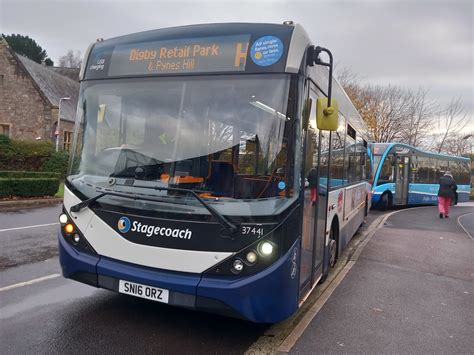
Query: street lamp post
[59, 120]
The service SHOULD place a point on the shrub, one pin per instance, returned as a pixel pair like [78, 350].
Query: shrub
[57, 163]
[31, 156]
[4, 140]
[28, 187]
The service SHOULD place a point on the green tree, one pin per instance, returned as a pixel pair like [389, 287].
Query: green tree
[28, 47]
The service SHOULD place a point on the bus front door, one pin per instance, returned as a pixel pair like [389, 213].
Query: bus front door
[402, 175]
[314, 206]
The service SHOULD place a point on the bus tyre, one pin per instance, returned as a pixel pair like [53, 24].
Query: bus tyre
[332, 253]
[385, 201]
[332, 248]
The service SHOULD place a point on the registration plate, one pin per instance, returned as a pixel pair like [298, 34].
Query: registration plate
[144, 291]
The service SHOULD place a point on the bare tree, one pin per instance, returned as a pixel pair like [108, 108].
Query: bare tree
[452, 121]
[458, 144]
[419, 120]
[396, 114]
[71, 59]
[384, 109]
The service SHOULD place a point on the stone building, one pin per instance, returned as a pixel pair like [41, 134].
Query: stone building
[30, 96]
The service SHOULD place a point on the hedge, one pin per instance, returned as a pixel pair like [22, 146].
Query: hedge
[31, 156]
[28, 174]
[28, 187]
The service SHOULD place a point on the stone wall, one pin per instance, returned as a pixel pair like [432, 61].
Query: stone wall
[21, 105]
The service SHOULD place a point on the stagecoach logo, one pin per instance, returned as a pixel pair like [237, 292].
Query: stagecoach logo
[124, 224]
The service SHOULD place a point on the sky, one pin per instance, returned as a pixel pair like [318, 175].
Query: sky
[407, 43]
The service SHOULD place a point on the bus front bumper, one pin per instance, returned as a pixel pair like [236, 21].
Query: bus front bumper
[267, 297]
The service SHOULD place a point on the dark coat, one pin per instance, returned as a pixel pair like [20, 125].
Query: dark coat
[313, 178]
[447, 187]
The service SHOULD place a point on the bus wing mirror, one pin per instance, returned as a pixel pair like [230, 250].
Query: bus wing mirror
[327, 118]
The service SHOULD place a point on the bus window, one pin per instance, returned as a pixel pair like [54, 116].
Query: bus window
[386, 173]
[423, 173]
[349, 159]
[464, 178]
[434, 172]
[337, 155]
[368, 167]
[324, 158]
[358, 159]
[442, 167]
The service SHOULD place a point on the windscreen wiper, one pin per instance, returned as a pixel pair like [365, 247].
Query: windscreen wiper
[232, 228]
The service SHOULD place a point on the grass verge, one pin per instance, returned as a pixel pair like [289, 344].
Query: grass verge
[60, 192]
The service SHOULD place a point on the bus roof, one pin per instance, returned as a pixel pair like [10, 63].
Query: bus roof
[417, 151]
[203, 49]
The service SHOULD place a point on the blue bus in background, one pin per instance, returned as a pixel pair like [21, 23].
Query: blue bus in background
[405, 175]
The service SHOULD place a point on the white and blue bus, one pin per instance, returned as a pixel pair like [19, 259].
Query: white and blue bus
[187, 177]
[405, 175]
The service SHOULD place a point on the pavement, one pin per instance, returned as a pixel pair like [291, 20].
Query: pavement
[410, 291]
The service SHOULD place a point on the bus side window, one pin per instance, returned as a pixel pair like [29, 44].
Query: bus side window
[386, 173]
[337, 154]
[350, 160]
[423, 174]
[464, 178]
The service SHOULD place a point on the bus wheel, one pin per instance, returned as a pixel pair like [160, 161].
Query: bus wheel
[332, 247]
[385, 201]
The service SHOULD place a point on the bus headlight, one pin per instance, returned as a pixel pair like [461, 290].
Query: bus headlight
[266, 248]
[63, 218]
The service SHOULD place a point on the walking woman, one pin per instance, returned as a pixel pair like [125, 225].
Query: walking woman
[446, 193]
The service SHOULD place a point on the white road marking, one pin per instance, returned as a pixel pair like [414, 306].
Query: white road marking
[465, 230]
[28, 227]
[31, 282]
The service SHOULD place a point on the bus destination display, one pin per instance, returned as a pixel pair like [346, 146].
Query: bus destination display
[209, 54]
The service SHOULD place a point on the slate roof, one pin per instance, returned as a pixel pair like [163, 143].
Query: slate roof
[54, 86]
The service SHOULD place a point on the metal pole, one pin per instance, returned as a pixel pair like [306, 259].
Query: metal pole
[57, 125]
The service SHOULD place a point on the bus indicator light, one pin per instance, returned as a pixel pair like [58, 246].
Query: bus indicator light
[69, 228]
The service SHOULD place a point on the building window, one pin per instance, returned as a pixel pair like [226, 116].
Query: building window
[67, 140]
[5, 128]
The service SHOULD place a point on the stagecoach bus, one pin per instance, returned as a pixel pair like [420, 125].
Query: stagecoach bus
[405, 175]
[187, 181]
